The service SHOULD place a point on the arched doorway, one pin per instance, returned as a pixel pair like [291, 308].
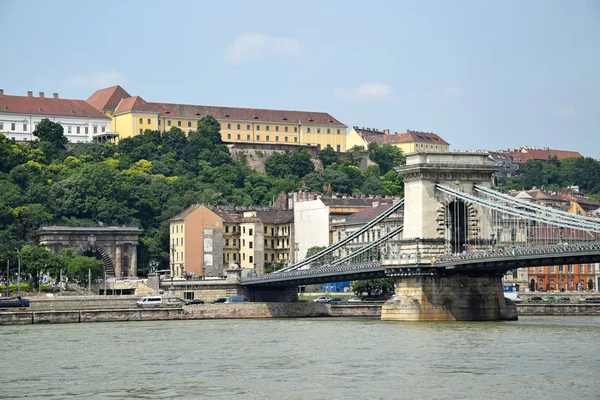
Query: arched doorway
[532, 286]
[458, 226]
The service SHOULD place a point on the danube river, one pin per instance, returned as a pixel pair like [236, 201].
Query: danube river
[308, 359]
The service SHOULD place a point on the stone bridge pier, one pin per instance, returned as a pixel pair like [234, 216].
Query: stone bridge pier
[115, 245]
[427, 234]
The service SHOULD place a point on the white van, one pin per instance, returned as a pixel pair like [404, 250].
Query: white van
[150, 301]
[514, 296]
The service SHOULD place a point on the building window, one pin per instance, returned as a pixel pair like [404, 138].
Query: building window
[188, 295]
[68, 128]
[295, 129]
[265, 229]
[141, 121]
[234, 256]
[178, 123]
[250, 232]
[581, 269]
[228, 126]
[338, 131]
[13, 126]
[229, 136]
[285, 129]
[250, 244]
[268, 128]
[95, 128]
[234, 243]
[25, 127]
[258, 127]
[226, 228]
[318, 130]
[552, 268]
[244, 256]
[276, 128]
[307, 130]
[328, 130]
[244, 230]
[267, 138]
[250, 259]
[286, 139]
[238, 127]
[277, 138]
[238, 136]
[540, 269]
[159, 122]
[2, 125]
[78, 129]
[247, 137]
[257, 137]
[149, 121]
[189, 124]
[295, 139]
[247, 127]
[169, 123]
[141, 131]
[338, 148]
[103, 128]
[226, 242]
[561, 268]
[590, 269]
[570, 268]
[86, 130]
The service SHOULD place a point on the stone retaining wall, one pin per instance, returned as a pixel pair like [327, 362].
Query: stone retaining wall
[558, 309]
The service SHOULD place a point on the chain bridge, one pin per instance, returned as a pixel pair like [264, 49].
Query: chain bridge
[448, 243]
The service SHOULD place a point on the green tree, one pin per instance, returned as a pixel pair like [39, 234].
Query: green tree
[328, 259]
[328, 156]
[80, 268]
[35, 259]
[386, 156]
[51, 133]
[590, 284]
[373, 286]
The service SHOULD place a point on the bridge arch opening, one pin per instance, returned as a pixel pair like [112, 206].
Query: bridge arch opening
[457, 225]
[98, 253]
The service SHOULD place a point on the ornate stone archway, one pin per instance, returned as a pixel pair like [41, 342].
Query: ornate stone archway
[117, 245]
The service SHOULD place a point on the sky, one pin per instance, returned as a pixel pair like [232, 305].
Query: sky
[481, 74]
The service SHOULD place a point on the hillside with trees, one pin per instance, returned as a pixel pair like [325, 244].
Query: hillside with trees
[146, 179]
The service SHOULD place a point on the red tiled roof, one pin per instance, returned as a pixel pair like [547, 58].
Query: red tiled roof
[185, 212]
[48, 106]
[135, 103]
[256, 115]
[544, 154]
[368, 214]
[406, 137]
[108, 99]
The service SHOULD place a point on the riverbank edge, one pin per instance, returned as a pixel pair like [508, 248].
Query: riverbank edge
[216, 311]
[248, 311]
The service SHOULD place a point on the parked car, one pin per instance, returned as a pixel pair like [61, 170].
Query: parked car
[337, 300]
[513, 296]
[195, 301]
[590, 300]
[237, 299]
[150, 301]
[220, 300]
[564, 300]
[174, 301]
[322, 299]
[355, 300]
[549, 299]
[535, 299]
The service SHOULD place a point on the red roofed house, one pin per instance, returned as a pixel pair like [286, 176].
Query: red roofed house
[81, 122]
[408, 142]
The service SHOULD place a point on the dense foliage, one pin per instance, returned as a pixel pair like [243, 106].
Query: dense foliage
[146, 179]
[558, 174]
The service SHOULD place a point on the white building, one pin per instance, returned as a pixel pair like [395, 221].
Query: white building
[20, 115]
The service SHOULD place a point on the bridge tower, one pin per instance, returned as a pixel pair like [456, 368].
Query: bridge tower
[435, 224]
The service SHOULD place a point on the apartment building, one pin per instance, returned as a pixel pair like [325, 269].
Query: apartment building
[408, 142]
[205, 241]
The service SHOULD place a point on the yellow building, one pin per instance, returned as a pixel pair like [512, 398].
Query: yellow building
[408, 142]
[131, 115]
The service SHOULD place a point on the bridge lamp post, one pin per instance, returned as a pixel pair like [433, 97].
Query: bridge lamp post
[18, 273]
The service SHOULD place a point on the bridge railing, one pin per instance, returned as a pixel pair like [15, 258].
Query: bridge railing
[305, 272]
[518, 251]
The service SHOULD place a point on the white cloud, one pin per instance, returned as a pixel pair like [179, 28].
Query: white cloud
[452, 91]
[96, 80]
[371, 91]
[256, 45]
[566, 111]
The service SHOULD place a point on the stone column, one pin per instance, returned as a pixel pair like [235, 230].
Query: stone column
[118, 260]
[133, 262]
[449, 298]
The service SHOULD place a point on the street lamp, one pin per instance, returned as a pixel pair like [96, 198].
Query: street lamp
[18, 273]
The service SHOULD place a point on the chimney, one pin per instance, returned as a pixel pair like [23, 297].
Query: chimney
[29, 93]
[41, 95]
[1, 92]
[386, 131]
[55, 95]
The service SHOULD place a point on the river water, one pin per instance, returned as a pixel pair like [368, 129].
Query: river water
[533, 358]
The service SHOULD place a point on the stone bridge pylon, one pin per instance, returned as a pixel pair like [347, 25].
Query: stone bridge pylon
[115, 245]
[435, 225]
